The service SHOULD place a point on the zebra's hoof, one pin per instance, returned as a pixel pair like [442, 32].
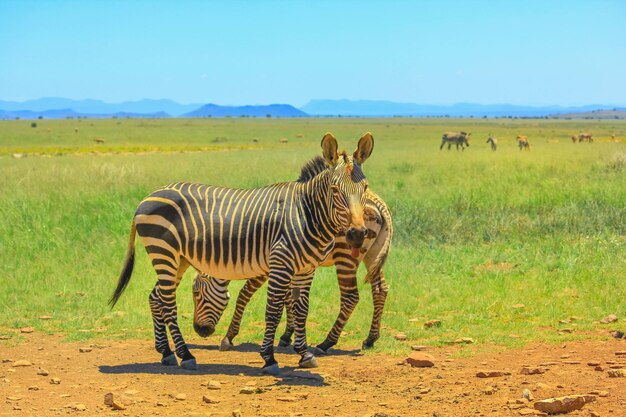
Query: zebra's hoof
[189, 364]
[284, 343]
[169, 360]
[319, 351]
[273, 369]
[367, 345]
[226, 345]
[308, 363]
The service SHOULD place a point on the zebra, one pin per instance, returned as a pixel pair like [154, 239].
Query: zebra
[493, 141]
[283, 230]
[459, 138]
[209, 304]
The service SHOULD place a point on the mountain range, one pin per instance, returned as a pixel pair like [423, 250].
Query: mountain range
[59, 108]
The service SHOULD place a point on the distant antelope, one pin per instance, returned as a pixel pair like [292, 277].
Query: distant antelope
[493, 141]
[98, 140]
[523, 143]
[585, 137]
[458, 138]
[284, 140]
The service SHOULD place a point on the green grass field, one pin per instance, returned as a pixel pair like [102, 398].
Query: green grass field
[476, 232]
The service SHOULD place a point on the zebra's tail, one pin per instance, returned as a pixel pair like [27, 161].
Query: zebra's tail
[127, 271]
[379, 262]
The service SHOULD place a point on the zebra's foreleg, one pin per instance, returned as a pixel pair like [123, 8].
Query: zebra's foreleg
[379, 295]
[302, 288]
[245, 294]
[160, 331]
[285, 339]
[277, 288]
[349, 299]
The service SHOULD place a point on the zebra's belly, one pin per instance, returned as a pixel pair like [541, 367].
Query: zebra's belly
[234, 271]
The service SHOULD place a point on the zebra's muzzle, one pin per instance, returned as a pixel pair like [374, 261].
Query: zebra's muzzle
[203, 331]
[355, 236]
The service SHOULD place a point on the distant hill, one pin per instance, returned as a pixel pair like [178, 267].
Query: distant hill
[615, 113]
[97, 107]
[274, 110]
[372, 108]
[69, 113]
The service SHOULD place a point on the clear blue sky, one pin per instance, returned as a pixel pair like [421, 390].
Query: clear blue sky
[259, 52]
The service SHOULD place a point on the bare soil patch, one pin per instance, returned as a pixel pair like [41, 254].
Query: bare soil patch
[74, 378]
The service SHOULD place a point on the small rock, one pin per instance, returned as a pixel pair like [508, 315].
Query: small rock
[43, 372]
[616, 373]
[464, 340]
[33, 388]
[20, 363]
[420, 360]
[620, 353]
[518, 306]
[489, 390]
[161, 404]
[214, 385]
[491, 374]
[599, 368]
[400, 336]
[210, 400]
[418, 348]
[84, 350]
[593, 363]
[286, 399]
[526, 411]
[599, 393]
[526, 370]
[247, 390]
[108, 399]
[55, 381]
[432, 323]
[611, 318]
[528, 395]
[80, 407]
[181, 397]
[27, 330]
[237, 413]
[116, 405]
[563, 404]
[45, 317]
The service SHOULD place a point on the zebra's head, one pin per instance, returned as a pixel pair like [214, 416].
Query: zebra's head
[210, 298]
[348, 186]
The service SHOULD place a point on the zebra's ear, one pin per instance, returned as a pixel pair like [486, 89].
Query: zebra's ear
[364, 148]
[329, 148]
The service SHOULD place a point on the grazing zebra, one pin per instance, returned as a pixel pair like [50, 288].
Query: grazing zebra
[522, 142]
[209, 304]
[493, 141]
[458, 138]
[283, 231]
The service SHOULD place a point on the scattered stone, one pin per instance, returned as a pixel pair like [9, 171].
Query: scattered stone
[527, 394]
[542, 386]
[161, 404]
[181, 397]
[526, 411]
[526, 370]
[620, 353]
[425, 390]
[400, 336]
[45, 317]
[419, 348]
[5, 337]
[593, 363]
[566, 330]
[489, 390]
[432, 323]
[237, 413]
[84, 350]
[563, 404]
[33, 388]
[518, 306]
[209, 400]
[599, 368]
[611, 318]
[14, 398]
[116, 405]
[491, 374]
[571, 362]
[80, 407]
[464, 340]
[286, 399]
[21, 363]
[43, 372]
[108, 399]
[27, 330]
[55, 381]
[247, 390]
[214, 385]
[420, 360]
[599, 393]
[616, 373]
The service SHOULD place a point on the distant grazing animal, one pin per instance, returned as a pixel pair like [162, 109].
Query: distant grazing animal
[98, 140]
[458, 138]
[493, 141]
[300, 135]
[523, 143]
[284, 140]
[75, 130]
[574, 138]
[255, 140]
[582, 137]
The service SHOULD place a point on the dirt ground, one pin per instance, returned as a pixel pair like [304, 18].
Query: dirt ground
[346, 383]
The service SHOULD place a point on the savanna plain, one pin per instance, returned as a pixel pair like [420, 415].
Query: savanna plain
[520, 256]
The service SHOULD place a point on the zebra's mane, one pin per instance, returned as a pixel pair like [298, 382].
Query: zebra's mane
[312, 168]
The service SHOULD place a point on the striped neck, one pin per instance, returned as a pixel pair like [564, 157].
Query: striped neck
[319, 206]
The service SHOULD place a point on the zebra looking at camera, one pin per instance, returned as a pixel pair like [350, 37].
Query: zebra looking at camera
[208, 308]
[283, 230]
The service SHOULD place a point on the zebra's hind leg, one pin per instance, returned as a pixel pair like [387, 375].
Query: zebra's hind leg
[302, 287]
[346, 275]
[160, 331]
[285, 339]
[278, 285]
[245, 294]
[167, 284]
[379, 295]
